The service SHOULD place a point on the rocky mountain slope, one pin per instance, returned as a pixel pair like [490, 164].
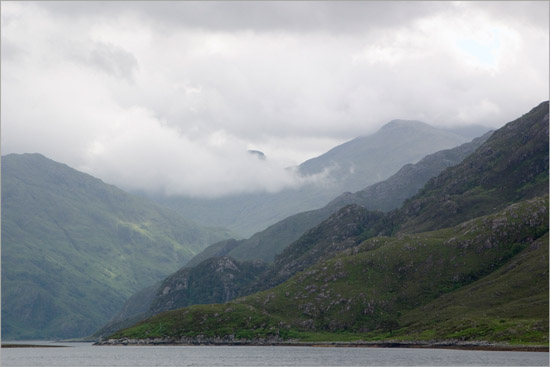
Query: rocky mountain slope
[265, 245]
[434, 207]
[74, 248]
[375, 289]
[385, 195]
[512, 165]
[362, 285]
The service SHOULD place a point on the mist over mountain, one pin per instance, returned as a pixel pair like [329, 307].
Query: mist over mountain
[267, 244]
[455, 246]
[348, 167]
[385, 195]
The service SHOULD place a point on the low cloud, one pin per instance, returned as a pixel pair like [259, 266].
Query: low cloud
[169, 97]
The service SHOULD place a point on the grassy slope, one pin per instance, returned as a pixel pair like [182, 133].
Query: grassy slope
[511, 304]
[375, 287]
[511, 165]
[74, 248]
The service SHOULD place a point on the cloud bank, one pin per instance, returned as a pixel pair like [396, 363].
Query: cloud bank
[169, 96]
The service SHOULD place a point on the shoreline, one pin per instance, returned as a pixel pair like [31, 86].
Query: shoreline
[9, 345]
[460, 345]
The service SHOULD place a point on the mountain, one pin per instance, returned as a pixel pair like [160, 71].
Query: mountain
[222, 276]
[391, 193]
[521, 289]
[369, 159]
[344, 277]
[215, 280]
[469, 131]
[518, 150]
[385, 195]
[379, 288]
[74, 248]
[265, 245]
[348, 167]
[512, 165]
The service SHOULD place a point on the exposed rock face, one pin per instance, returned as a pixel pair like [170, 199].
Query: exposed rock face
[340, 231]
[216, 280]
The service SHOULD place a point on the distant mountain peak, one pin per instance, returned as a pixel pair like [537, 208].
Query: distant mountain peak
[396, 124]
[260, 155]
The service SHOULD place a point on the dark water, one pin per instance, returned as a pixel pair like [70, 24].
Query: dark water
[84, 354]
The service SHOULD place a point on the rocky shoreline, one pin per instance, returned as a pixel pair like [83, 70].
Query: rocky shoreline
[276, 341]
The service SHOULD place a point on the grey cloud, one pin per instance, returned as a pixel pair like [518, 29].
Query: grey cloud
[331, 16]
[113, 60]
[309, 76]
[534, 13]
[12, 52]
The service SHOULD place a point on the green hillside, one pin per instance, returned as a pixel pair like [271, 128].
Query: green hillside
[265, 245]
[512, 165]
[344, 276]
[74, 248]
[496, 306]
[372, 290]
[217, 279]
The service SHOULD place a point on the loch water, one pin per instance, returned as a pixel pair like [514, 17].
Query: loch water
[85, 354]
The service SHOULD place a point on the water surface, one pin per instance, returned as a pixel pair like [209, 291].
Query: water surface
[84, 354]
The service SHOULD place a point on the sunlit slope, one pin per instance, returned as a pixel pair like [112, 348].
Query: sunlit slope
[74, 248]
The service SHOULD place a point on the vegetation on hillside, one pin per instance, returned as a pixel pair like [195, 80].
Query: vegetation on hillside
[348, 276]
[74, 248]
[374, 289]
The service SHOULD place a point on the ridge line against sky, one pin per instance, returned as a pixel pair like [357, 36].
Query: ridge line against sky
[168, 97]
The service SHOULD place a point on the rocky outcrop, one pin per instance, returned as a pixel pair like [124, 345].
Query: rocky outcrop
[230, 340]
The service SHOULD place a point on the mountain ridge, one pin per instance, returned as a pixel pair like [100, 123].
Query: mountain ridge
[350, 166]
[356, 280]
[385, 195]
[267, 244]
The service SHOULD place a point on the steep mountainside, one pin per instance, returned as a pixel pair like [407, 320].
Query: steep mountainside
[517, 291]
[364, 284]
[435, 206]
[341, 230]
[215, 280]
[371, 289]
[512, 165]
[369, 159]
[74, 248]
[265, 245]
[348, 167]
[391, 193]
[222, 276]
[386, 195]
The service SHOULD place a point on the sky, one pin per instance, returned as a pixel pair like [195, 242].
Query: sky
[168, 97]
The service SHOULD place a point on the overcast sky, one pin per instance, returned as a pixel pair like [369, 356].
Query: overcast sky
[169, 96]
